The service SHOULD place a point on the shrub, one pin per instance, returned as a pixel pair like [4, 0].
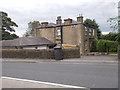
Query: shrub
[106, 46]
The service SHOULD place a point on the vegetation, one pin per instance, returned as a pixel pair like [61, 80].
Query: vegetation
[113, 23]
[103, 43]
[8, 36]
[107, 46]
[93, 23]
[108, 43]
[7, 27]
[111, 36]
[31, 27]
[93, 47]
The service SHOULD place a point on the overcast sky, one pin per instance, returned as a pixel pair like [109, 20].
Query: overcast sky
[24, 11]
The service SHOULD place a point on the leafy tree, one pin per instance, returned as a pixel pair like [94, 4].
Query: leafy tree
[28, 33]
[8, 36]
[31, 27]
[107, 46]
[7, 27]
[93, 23]
[113, 23]
[93, 47]
[14, 36]
[7, 23]
[90, 22]
[111, 36]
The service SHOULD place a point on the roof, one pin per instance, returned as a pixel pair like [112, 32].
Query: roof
[53, 25]
[28, 41]
[58, 25]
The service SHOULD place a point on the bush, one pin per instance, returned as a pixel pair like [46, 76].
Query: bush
[93, 47]
[107, 46]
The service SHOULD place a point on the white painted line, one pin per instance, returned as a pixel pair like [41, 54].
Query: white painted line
[49, 83]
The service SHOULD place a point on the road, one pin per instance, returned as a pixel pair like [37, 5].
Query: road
[84, 74]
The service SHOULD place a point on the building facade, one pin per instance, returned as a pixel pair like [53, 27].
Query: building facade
[70, 32]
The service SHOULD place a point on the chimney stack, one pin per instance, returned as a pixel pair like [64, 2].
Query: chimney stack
[80, 18]
[44, 24]
[67, 21]
[59, 20]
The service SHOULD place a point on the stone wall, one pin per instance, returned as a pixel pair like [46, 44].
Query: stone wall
[71, 53]
[18, 53]
[38, 54]
[47, 33]
[70, 35]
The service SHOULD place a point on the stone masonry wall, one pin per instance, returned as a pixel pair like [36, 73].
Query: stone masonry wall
[38, 54]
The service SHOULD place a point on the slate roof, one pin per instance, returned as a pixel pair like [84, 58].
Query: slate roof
[53, 25]
[28, 41]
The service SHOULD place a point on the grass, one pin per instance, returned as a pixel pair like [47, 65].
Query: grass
[113, 52]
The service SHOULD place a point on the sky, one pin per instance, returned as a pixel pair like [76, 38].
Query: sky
[24, 11]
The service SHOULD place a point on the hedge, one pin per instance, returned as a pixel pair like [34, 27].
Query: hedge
[107, 46]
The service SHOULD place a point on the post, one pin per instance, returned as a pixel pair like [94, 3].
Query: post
[0, 25]
[119, 31]
[61, 35]
[0, 48]
[58, 49]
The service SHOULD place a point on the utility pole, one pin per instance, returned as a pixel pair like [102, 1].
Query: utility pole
[119, 31]
[61, 35]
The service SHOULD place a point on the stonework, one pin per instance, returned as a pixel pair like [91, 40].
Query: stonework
[70, 32]
[38, 54]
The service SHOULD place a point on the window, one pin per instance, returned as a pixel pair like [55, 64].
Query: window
[85, 28]
[93, 32]
[58, 32]
[90, 34]
[90, 30]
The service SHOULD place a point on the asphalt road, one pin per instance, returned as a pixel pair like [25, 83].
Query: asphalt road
[91, 75]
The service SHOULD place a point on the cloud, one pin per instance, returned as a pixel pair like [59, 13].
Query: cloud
[24, 11]
[104, 33]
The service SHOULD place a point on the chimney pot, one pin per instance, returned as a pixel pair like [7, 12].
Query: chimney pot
[59, 20]
[67, 21]
[44, 24]
[80, 19]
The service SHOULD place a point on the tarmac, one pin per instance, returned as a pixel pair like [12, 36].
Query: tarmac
[8, 82]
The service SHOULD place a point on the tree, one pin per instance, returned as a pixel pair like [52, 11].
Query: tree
[27, 34]
[107, 46]
[31, 26]
[7, 27]
[111, 36]
[93, 47]
[113, 23]
[8, 36]
[93, 23]
[7, 23]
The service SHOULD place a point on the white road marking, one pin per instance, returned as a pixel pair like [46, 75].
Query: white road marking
[49, 83]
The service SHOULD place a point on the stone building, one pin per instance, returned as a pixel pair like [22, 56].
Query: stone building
[70, 32]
